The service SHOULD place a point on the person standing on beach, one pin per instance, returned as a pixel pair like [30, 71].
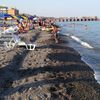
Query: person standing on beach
[54, 33]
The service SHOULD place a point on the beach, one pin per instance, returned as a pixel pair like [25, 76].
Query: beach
[52, 71]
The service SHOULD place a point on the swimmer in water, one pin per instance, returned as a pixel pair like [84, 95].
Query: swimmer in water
[86, 27]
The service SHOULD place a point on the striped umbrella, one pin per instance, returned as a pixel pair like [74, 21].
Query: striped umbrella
[25, 18]
[15, 17]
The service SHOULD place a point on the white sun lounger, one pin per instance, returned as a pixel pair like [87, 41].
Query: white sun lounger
[16, 41]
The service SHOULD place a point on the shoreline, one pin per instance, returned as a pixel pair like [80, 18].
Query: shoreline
[98, 81]
[54, 68]
[84, 60]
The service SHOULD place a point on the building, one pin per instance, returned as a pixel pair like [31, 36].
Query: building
[3, 9]
[13, 11]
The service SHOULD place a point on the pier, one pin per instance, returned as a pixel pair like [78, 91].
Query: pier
[73, 19]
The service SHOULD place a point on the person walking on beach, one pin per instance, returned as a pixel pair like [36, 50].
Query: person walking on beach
[54, 33]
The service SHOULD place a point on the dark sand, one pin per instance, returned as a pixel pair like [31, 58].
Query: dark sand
[51, 72]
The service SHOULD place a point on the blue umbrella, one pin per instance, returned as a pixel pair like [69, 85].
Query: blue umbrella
[20, 17]
[31, 17]
[5, 15]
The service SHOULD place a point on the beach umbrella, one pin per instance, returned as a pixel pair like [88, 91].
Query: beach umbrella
[20, 17]
[30, 17]
[25, 18]
[15, 17]
[5, 15]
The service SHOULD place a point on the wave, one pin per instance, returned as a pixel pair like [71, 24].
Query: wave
[97, 77]
[85, 44]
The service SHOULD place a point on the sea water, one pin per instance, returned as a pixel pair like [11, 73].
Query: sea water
[85, 38]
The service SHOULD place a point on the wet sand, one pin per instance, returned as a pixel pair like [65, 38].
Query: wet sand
[52, 71]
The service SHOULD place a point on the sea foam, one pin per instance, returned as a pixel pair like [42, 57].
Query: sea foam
[85, 44]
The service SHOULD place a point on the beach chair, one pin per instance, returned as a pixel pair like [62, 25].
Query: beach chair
[9, 39]
[16, 41]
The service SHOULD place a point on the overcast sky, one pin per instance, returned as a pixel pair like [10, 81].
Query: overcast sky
[56, 8]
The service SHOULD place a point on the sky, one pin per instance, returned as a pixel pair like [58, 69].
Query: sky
[56, 8]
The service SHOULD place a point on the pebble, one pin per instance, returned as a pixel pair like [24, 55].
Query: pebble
[42, 65]
[47, 60]
[30, 88]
